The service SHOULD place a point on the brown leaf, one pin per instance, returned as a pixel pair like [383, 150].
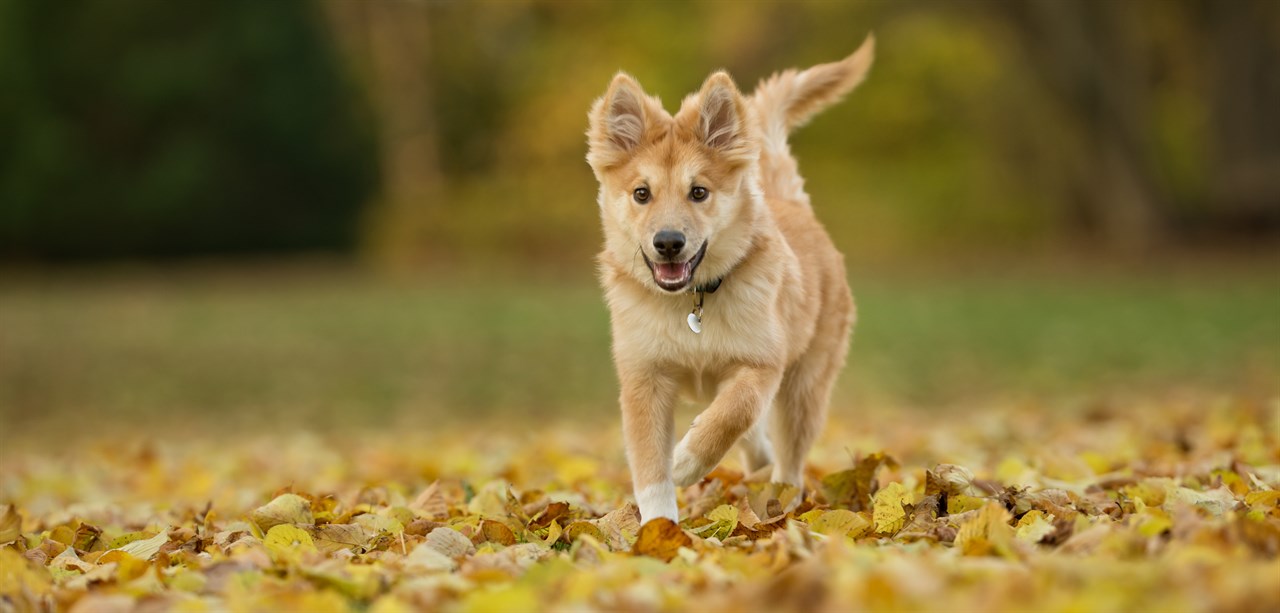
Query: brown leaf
[497, 532]
[852, 488]
[554, 511]
[334, 537]
[431, 502]
[661, 538]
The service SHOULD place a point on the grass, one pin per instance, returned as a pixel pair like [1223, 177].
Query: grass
[334, 347]
[319, 438]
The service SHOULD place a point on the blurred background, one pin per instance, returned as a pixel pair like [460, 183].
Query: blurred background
[361, 213]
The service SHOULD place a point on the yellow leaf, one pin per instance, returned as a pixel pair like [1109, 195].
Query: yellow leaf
[1034, 526]
[724, 520]
[10, 524]
[578, 528]
[284, 509]
[553, 533]
[959, 504]
[852, 488]
[987, 533]
[887, 512]
[1264, 499]
[19, 576]
[286, 543]
[838, 522]
[145, 549]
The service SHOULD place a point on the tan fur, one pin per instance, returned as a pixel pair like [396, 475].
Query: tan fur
[776, 332]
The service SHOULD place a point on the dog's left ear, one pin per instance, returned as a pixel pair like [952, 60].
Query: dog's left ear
[722, 118]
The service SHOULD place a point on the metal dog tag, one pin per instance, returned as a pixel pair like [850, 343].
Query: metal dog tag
[695, 323]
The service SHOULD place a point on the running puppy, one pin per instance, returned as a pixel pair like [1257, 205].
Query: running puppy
[717, 274]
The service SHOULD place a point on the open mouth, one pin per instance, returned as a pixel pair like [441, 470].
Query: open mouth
[675, 276]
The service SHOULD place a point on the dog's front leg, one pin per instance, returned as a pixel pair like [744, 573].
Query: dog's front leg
[744, 396]
[648, 399]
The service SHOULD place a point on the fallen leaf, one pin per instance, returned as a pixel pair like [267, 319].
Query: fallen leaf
[287, 543]
[660, 538]
[284, 509]
[145, 549]
[496, 532]
[888, 513]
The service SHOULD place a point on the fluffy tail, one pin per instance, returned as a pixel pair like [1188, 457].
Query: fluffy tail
[788, 100]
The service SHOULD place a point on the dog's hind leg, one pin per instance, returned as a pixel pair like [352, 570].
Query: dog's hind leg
[801, 408]
[757, 453]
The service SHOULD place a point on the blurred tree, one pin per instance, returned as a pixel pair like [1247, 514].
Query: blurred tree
[158, 128]
[1166, 130]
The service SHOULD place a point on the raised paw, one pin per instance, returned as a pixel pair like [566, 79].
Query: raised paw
[688, 467]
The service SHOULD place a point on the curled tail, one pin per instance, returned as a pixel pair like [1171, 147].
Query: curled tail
[787, 100]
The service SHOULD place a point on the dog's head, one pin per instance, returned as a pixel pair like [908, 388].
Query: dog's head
[677, 193]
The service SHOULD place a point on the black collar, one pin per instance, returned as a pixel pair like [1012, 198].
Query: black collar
[709, 288]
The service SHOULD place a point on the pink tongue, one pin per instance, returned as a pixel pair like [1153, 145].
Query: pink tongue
[670, 270]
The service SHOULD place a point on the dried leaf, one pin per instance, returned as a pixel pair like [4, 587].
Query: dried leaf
[661, 538]
[889, 513]
[10, 524]
[495, 532]
[145, 549]
[284, 509]
[852, 489]
[287, 543]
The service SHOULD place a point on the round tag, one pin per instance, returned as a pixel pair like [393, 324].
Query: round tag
[695, 323]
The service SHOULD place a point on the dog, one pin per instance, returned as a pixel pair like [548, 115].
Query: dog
[717, 274]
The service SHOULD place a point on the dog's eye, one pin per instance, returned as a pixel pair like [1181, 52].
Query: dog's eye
[641, 195]
[698, 194]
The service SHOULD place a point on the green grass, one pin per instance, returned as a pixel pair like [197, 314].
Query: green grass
[327, 348]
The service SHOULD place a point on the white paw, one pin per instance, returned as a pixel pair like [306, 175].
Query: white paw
[688, 468]
[657, 500]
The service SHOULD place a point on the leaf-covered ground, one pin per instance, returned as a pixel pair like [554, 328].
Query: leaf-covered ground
[1124, 506]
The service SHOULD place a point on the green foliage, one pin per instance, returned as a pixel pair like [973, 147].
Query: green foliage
[145, 127]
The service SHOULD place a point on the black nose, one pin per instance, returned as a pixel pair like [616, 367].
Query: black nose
[668, 243]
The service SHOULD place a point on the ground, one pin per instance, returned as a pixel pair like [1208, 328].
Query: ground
[1010, 455]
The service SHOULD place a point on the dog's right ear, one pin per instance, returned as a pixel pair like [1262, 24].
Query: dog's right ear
[617, 122]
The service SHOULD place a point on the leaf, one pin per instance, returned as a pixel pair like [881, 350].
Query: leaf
[660, 538]
[723, 521]
[554, 511]
[852, 489]
[145, 549]
[428, 558]
[1217, 502]
[431, 502]
[496, 532]
[284, 509]
[450, 543]
[986, 533]
[949, 480]
[888, 513]
[578, 528]
[838, 522]
[959, 504]
[329, 538]
[10, 524]
[287, 543]
[768, 500]
[620, 527]
[1034, 526]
